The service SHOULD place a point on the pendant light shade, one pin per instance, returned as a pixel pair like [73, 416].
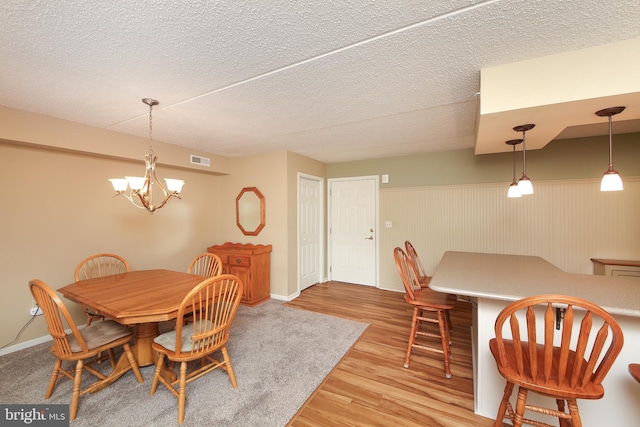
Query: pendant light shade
[514, 190]
[524, 185]
[611, 180]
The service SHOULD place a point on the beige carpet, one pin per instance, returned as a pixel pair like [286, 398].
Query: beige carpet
[280, 355]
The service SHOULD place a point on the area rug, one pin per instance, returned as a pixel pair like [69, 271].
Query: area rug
[280, 355]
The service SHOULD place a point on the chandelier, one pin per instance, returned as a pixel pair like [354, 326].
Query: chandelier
[141, 193]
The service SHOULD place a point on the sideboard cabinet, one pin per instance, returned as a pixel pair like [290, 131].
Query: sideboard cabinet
[250, 263]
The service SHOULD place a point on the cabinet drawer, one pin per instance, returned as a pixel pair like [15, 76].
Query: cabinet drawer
[234, 260]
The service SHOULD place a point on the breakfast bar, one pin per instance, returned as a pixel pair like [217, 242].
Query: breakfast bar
[491, 281]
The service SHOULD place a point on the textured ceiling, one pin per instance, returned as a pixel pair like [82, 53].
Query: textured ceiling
[332, 80]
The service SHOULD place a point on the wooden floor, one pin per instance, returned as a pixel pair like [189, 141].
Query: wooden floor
[370, 386]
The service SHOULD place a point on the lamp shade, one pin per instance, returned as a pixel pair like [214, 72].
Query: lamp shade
[174, 185]
[525, 186]
[514, 191]
[611, 181]
[119, 184]
[135, 182]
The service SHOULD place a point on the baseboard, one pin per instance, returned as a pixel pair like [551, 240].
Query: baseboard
[25, 344]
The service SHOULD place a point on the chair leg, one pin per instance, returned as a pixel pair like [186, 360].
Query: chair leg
[520, 406]
[412, 336]
[502, 410]
[156, 375]
[182, 393]
[446, 343]
[75, 395]
[575, 414]
[227, 361]
[132, 362]
[54, 378]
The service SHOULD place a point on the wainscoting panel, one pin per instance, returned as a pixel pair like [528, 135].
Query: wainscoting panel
[565, 222]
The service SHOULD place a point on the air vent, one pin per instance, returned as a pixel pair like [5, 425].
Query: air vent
[198, 160]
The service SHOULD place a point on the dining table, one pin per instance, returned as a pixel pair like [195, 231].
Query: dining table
[141, 299]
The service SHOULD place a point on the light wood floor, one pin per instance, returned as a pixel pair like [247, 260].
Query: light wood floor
[370, 386]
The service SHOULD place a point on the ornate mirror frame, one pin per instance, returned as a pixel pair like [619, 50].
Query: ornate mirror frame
[250, 211]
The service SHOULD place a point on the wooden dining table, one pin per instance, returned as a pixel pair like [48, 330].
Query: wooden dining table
[141, 298]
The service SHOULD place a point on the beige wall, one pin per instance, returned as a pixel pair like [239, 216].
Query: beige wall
[275, 175]
[57, 208]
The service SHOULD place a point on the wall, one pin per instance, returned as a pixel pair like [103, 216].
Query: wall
[457, 201]
[57, 208]
[275, 175]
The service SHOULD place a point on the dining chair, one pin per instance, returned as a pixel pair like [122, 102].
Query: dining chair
[206, 264]
[557, 346]
[81, 346]
[428, 306]
[99, 265]
[213, 304]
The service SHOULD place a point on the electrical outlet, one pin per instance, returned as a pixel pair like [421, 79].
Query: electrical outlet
[35, 311]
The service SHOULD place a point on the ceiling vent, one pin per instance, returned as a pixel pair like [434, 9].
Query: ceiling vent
[198, 160]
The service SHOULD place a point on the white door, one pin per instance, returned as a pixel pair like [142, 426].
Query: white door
[310, 251]
[352, 228]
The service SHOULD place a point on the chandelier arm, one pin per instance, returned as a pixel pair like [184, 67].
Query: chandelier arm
[130, 198]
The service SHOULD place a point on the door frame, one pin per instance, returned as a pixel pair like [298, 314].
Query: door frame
[376, 235]
[321, 229]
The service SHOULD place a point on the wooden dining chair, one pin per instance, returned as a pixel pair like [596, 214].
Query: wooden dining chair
[206, 264]
[564, 357]
[428, 306]
[214, 303]
[99, 265]
[81, 346]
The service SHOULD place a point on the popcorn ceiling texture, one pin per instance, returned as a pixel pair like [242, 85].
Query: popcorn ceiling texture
[335, 81]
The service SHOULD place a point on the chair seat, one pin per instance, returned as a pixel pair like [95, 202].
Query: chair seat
[168, 339]
[431, 299]
[98, 334]
[539, 384]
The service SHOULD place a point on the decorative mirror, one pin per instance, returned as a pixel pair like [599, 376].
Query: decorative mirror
[250, 211]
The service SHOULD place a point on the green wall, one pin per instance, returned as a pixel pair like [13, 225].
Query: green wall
[562, 159]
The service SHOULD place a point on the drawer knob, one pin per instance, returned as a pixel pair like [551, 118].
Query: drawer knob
[238, 260]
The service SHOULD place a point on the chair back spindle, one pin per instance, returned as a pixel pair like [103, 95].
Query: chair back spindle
[206, 265]
[100, 265]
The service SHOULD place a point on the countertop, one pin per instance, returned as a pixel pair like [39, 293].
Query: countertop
[512, 277]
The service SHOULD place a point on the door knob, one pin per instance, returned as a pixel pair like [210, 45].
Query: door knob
[368, 238]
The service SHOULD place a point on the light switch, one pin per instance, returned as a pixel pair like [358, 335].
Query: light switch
[385, 178]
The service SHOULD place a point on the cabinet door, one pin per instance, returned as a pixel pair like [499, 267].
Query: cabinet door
[623, 271]
[244, 274]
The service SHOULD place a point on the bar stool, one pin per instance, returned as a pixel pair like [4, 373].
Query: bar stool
[428, 306]
[566, 372]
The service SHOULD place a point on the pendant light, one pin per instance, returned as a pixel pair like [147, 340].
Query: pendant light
[524, 185]
[514, 191]
[611, 181]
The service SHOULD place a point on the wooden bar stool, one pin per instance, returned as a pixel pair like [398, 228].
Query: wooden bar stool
[428, 306]
[564, 372]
